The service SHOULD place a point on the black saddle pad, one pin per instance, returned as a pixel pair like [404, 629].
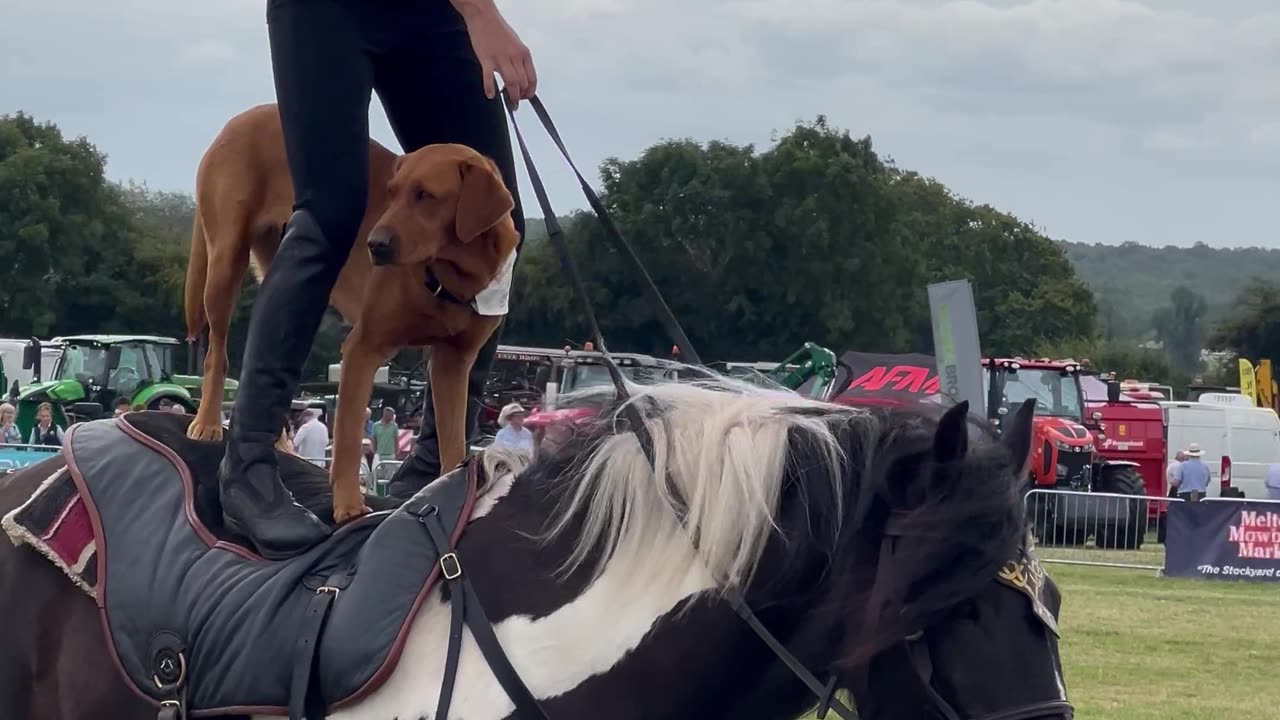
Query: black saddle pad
[162, 573]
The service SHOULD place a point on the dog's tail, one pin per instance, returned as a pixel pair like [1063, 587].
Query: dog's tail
[197, 270]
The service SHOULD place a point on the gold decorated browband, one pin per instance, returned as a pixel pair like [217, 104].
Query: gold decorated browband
[1027, 577]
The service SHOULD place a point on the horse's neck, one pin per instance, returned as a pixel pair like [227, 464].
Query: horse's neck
[582, 650]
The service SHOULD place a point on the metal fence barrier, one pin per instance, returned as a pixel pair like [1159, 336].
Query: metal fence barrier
[16, 457]
[1104, 529]
[1095, 528]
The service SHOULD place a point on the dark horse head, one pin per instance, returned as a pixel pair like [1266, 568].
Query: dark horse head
[886, 549]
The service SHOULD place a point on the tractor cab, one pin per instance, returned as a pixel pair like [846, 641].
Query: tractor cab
[94, 371]
[1062, 447]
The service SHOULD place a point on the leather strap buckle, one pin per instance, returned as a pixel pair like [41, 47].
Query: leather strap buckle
[450, 566]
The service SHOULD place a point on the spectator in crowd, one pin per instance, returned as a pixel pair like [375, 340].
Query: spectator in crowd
[1272, 482]
[512, 432]
[368, 424]
[312, 437]
[385, 435]
[9, 432]
[46, 432]
[1171, 470]
[122, 406]
[1191, 477]
[366, 454]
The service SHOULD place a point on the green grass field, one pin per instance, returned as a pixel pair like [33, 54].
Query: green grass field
[1140, 647]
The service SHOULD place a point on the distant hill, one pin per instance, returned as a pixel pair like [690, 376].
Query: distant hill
[1132, 281]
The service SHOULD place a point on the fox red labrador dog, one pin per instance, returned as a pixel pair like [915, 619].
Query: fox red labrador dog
[431, 263]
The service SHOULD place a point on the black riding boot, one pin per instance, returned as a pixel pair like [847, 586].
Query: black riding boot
[291, 302]
[423, 464]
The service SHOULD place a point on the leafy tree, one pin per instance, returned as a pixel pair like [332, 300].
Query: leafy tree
[1253, 329]
[64, 234]
[816, 238]
[1181, 327]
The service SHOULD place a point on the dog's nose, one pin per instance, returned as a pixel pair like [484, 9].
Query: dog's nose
[382, 245]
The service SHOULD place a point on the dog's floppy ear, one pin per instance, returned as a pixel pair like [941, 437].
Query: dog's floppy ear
[482, 201]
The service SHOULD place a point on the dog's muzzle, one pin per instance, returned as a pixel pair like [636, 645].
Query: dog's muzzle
[382, 246]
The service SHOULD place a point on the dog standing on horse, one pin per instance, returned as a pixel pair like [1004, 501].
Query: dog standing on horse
[412, 251]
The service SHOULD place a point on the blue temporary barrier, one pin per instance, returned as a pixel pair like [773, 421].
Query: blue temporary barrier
[16, 457]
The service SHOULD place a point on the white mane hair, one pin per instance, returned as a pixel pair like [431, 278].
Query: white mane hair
[724, 445]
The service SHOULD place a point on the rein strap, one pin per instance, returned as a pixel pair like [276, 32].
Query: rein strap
[824, 691]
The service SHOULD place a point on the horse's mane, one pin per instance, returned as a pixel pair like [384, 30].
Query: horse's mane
[726, 447]
[732, 450]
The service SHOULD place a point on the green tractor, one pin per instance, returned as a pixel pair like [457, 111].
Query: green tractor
[94, 371]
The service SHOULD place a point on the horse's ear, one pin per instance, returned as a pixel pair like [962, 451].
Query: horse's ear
[1017, 435]
[951, 440]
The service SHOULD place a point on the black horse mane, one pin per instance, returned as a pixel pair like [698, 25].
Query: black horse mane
[950, 495]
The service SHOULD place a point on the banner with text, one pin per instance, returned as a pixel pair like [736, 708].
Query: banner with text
[1228, 539]
[956, 344]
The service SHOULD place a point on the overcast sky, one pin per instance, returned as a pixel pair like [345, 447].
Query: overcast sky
[1156, 121]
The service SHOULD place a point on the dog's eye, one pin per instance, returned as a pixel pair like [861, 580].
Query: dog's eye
[420, 195]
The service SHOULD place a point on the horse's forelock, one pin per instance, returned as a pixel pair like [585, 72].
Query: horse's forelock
[959, 523]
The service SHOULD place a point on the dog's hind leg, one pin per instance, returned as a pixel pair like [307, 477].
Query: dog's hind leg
[228, 255]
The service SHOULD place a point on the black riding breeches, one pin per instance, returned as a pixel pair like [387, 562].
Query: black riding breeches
[328, 56]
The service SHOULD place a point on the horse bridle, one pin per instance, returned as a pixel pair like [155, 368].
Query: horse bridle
[824, 691]
[916, 647]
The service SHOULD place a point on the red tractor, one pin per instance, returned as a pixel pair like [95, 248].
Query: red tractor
[1065, 456]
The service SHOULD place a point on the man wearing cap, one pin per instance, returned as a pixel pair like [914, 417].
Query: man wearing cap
[513, 433]
[1191, 477]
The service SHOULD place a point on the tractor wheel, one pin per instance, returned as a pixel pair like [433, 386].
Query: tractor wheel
[1126, 520]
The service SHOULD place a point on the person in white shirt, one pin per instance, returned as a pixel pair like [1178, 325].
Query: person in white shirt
[513, 433]
[1273, 481]
[312, 437]
[1171, 472]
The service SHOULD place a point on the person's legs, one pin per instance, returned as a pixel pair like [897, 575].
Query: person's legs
[431, 87]
[323, 80]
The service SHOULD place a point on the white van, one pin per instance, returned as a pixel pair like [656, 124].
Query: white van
[11, 350]
[1238, 440]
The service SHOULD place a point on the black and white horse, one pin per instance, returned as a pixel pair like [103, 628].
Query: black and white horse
[885, 549]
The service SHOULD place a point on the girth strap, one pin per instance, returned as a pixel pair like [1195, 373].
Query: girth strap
[465, 607]
[305, 698]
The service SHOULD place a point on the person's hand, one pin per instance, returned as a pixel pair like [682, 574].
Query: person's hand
[500, 50]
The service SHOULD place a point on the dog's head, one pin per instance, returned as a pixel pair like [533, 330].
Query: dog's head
[441, 196]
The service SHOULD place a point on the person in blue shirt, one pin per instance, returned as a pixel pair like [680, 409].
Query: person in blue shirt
[513, 433]
[1191, 477]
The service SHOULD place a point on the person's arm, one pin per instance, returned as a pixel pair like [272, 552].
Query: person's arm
[498, 49]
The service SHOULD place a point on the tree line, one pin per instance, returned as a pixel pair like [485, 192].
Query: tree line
[816, 238]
